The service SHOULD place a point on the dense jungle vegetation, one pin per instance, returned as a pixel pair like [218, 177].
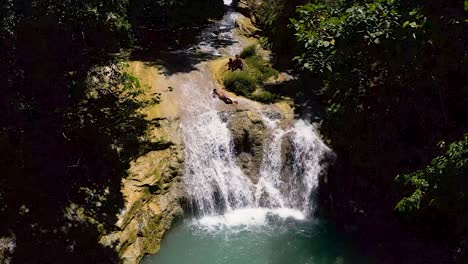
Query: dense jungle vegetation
[391, 77]
[59, 146]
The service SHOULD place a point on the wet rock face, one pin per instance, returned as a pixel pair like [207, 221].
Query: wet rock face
[251, 135]
[152, 191]
[152, 188]
[248, 133]
[7, 246]
[287, 159]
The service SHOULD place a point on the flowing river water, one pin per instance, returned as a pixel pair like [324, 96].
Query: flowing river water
[237, 220]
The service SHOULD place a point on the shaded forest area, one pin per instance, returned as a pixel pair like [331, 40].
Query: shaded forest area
[61, 157]
[391, 79]
[390, 75]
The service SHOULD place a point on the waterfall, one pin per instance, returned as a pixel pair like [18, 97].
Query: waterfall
[294, 190]
[308, 152]
[216, 184]
[218, 188]
[211, 174]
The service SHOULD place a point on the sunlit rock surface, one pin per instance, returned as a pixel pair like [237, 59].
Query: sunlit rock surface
[152, 189]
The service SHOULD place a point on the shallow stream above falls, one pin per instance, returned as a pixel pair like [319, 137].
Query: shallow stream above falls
[252, 202]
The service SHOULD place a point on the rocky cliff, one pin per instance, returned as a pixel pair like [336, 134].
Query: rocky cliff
[152, 189]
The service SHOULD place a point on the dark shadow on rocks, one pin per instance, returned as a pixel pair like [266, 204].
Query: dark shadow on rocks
[62, 172]
[305, 94]
[172, 61]
[62, 160]
[179, 50]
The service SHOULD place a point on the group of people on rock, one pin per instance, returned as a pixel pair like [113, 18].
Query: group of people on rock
[235, 64]
[232, 65]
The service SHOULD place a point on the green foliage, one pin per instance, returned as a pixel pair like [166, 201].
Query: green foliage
[269, 13]
[370, 58]
[264, 96]
[240, 82]
[333, 34]
[273, 17]
[256, 72]
[264, 42]
[387, 72]
[440, 187]
[130, 81]
[7, 19]
[87, 138]
[260, 69]
[102, 24]
[248, 52]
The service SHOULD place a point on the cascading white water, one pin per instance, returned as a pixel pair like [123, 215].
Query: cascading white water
[211, 173]
[268, 189]
[218, 188]
[238, 221]
[308, 152]
[218, 185]
[275, 189]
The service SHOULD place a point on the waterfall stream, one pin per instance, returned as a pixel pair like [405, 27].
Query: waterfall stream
[217, 184]
[237, 219]
[211, 174]
[214, 181]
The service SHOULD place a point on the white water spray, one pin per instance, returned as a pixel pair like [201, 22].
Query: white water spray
[218, 188]
[213, 179]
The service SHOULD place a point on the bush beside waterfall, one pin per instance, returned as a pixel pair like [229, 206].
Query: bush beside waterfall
[248, 52]
[250, 80]
[241, 83]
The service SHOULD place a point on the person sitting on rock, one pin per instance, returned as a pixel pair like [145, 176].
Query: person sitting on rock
[238, 64]
[223, 97]
[230, 64]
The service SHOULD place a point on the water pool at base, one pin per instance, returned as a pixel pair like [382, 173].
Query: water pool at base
[278, 241]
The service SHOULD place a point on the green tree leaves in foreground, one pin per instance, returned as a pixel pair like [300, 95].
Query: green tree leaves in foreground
[442, 186]
[390, 77]
[335, 33]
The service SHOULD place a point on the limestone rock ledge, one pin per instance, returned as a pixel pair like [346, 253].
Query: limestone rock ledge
[152, 192]
[7, 247]
[153, 188]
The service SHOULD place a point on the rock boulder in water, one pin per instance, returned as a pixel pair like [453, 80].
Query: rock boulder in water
[248, 133]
